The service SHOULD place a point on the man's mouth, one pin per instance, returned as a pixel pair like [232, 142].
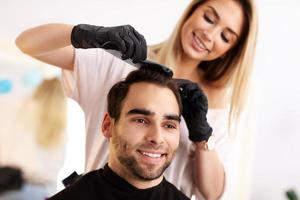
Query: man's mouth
[152, 154]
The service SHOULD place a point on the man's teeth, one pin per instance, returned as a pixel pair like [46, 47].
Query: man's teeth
[152, 155]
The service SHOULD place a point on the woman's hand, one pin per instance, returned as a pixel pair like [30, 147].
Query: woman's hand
[125, 39]
[195, 106]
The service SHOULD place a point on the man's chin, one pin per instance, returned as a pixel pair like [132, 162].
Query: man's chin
[150, 171]
[146, 175]
[144, 170]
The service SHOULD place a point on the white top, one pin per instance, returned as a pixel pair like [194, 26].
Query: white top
[18, 144]
[95, 72]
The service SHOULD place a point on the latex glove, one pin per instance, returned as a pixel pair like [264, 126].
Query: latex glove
[195, 106]
[125, 39]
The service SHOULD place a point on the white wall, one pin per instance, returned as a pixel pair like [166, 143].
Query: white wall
[154, 18]
[276, 165]
[276, 162]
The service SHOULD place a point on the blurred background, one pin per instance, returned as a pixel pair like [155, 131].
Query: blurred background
[267, 161]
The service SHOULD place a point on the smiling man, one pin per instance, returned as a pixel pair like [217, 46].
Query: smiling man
[142, 126]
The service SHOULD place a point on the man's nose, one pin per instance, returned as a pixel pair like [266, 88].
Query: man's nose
[155, 135]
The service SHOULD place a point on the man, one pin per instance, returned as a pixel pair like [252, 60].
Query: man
[142, 126]
[89, 71]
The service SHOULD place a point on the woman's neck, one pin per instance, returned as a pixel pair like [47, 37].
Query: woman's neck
[187, 69]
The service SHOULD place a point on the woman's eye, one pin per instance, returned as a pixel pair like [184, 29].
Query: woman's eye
[224, 38]
[208, 19]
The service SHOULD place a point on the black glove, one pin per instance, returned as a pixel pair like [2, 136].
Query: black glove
[125, 39]
[195, 106]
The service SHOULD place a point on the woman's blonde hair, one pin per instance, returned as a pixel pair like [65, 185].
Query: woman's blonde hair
[51, 112]
[233, 69]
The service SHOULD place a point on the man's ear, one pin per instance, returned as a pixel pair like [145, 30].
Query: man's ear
[107, 125]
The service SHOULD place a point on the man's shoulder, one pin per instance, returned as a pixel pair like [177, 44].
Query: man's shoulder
[84, 188]
[173, 193]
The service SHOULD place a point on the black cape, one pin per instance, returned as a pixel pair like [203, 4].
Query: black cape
[104, 184]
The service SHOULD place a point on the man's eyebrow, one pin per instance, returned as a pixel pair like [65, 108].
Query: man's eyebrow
[218, 17]
[148, 113]
[173, 117]
[140, 111]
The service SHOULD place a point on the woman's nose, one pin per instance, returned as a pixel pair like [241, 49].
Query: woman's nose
[210, 34]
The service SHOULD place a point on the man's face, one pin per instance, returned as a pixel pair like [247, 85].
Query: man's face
[146, 136]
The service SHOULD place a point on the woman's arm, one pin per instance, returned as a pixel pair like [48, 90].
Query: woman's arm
[209, 172]
[49, 43]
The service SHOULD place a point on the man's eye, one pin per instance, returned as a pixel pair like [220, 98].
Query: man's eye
[142, 121]
[171, 126]
[208, 19]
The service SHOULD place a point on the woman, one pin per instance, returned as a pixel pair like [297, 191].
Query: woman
[212, 45]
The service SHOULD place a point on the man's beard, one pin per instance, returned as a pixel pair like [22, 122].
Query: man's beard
[148, 172]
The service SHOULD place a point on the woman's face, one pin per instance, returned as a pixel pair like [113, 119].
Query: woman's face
[212, 29]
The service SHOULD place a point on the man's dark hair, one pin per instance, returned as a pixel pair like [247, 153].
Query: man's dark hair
[146, 74]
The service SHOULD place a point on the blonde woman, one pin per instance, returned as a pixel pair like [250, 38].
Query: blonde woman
[212, 45]
[33, 139]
